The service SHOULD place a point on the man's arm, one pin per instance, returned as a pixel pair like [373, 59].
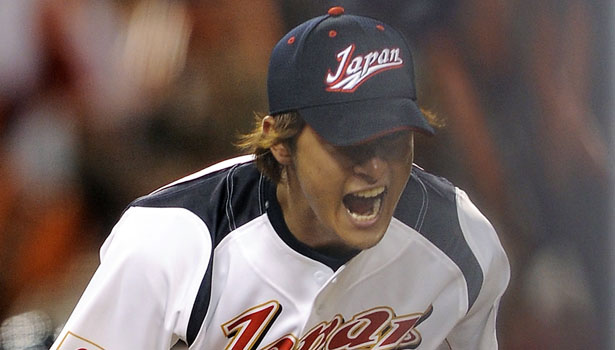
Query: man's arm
[476, 331]
[142, 293]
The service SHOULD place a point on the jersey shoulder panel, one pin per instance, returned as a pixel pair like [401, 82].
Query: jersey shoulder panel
[136, 297]
[224, 196]
[429, 205]
[484, 241]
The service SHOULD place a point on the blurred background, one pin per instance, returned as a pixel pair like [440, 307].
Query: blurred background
[102, 101]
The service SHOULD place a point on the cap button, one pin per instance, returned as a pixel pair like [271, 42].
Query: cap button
[336, 11]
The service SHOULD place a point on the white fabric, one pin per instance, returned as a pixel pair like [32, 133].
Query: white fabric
[266, 293]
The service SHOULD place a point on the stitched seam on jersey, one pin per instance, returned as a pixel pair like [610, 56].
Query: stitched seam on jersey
[261, 181]
[422, 213]
[229, 191]
[229, 195]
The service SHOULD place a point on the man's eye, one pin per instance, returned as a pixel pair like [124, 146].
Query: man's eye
[393, 146]
[355, 152]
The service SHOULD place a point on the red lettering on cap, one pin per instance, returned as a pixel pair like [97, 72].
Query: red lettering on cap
[336, 11]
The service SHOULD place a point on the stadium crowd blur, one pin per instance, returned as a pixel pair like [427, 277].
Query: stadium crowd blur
[104, 101]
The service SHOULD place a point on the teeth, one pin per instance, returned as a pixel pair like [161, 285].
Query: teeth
[370, 216]
[374, 192]
[373, 195]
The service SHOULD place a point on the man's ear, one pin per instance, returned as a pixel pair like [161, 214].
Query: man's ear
[280, 151]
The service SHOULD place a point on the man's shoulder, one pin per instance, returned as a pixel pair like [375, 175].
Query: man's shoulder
[433, 184]
[193, 185]
[429, 205]
[425, 195]
[224, 196]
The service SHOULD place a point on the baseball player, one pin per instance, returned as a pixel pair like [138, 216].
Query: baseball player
[325, 237]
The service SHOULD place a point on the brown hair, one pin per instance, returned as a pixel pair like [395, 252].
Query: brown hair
[285, 130]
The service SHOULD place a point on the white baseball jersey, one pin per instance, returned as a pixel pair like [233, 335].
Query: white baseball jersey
[209, 260]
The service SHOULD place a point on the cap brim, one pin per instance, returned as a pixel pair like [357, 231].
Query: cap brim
[350, 123]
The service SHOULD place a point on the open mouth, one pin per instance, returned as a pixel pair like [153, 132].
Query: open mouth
[364, 205]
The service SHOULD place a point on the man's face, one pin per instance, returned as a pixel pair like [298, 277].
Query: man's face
[344, 197]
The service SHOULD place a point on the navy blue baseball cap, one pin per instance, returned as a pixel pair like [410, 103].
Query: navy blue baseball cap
[350, 77]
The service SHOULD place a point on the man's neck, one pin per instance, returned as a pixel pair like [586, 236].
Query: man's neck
[305, 226]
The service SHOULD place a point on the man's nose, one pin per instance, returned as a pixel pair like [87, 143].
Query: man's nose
[371, 169]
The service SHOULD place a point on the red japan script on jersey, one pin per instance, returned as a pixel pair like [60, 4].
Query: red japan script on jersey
[248, 329]
[377, 329]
